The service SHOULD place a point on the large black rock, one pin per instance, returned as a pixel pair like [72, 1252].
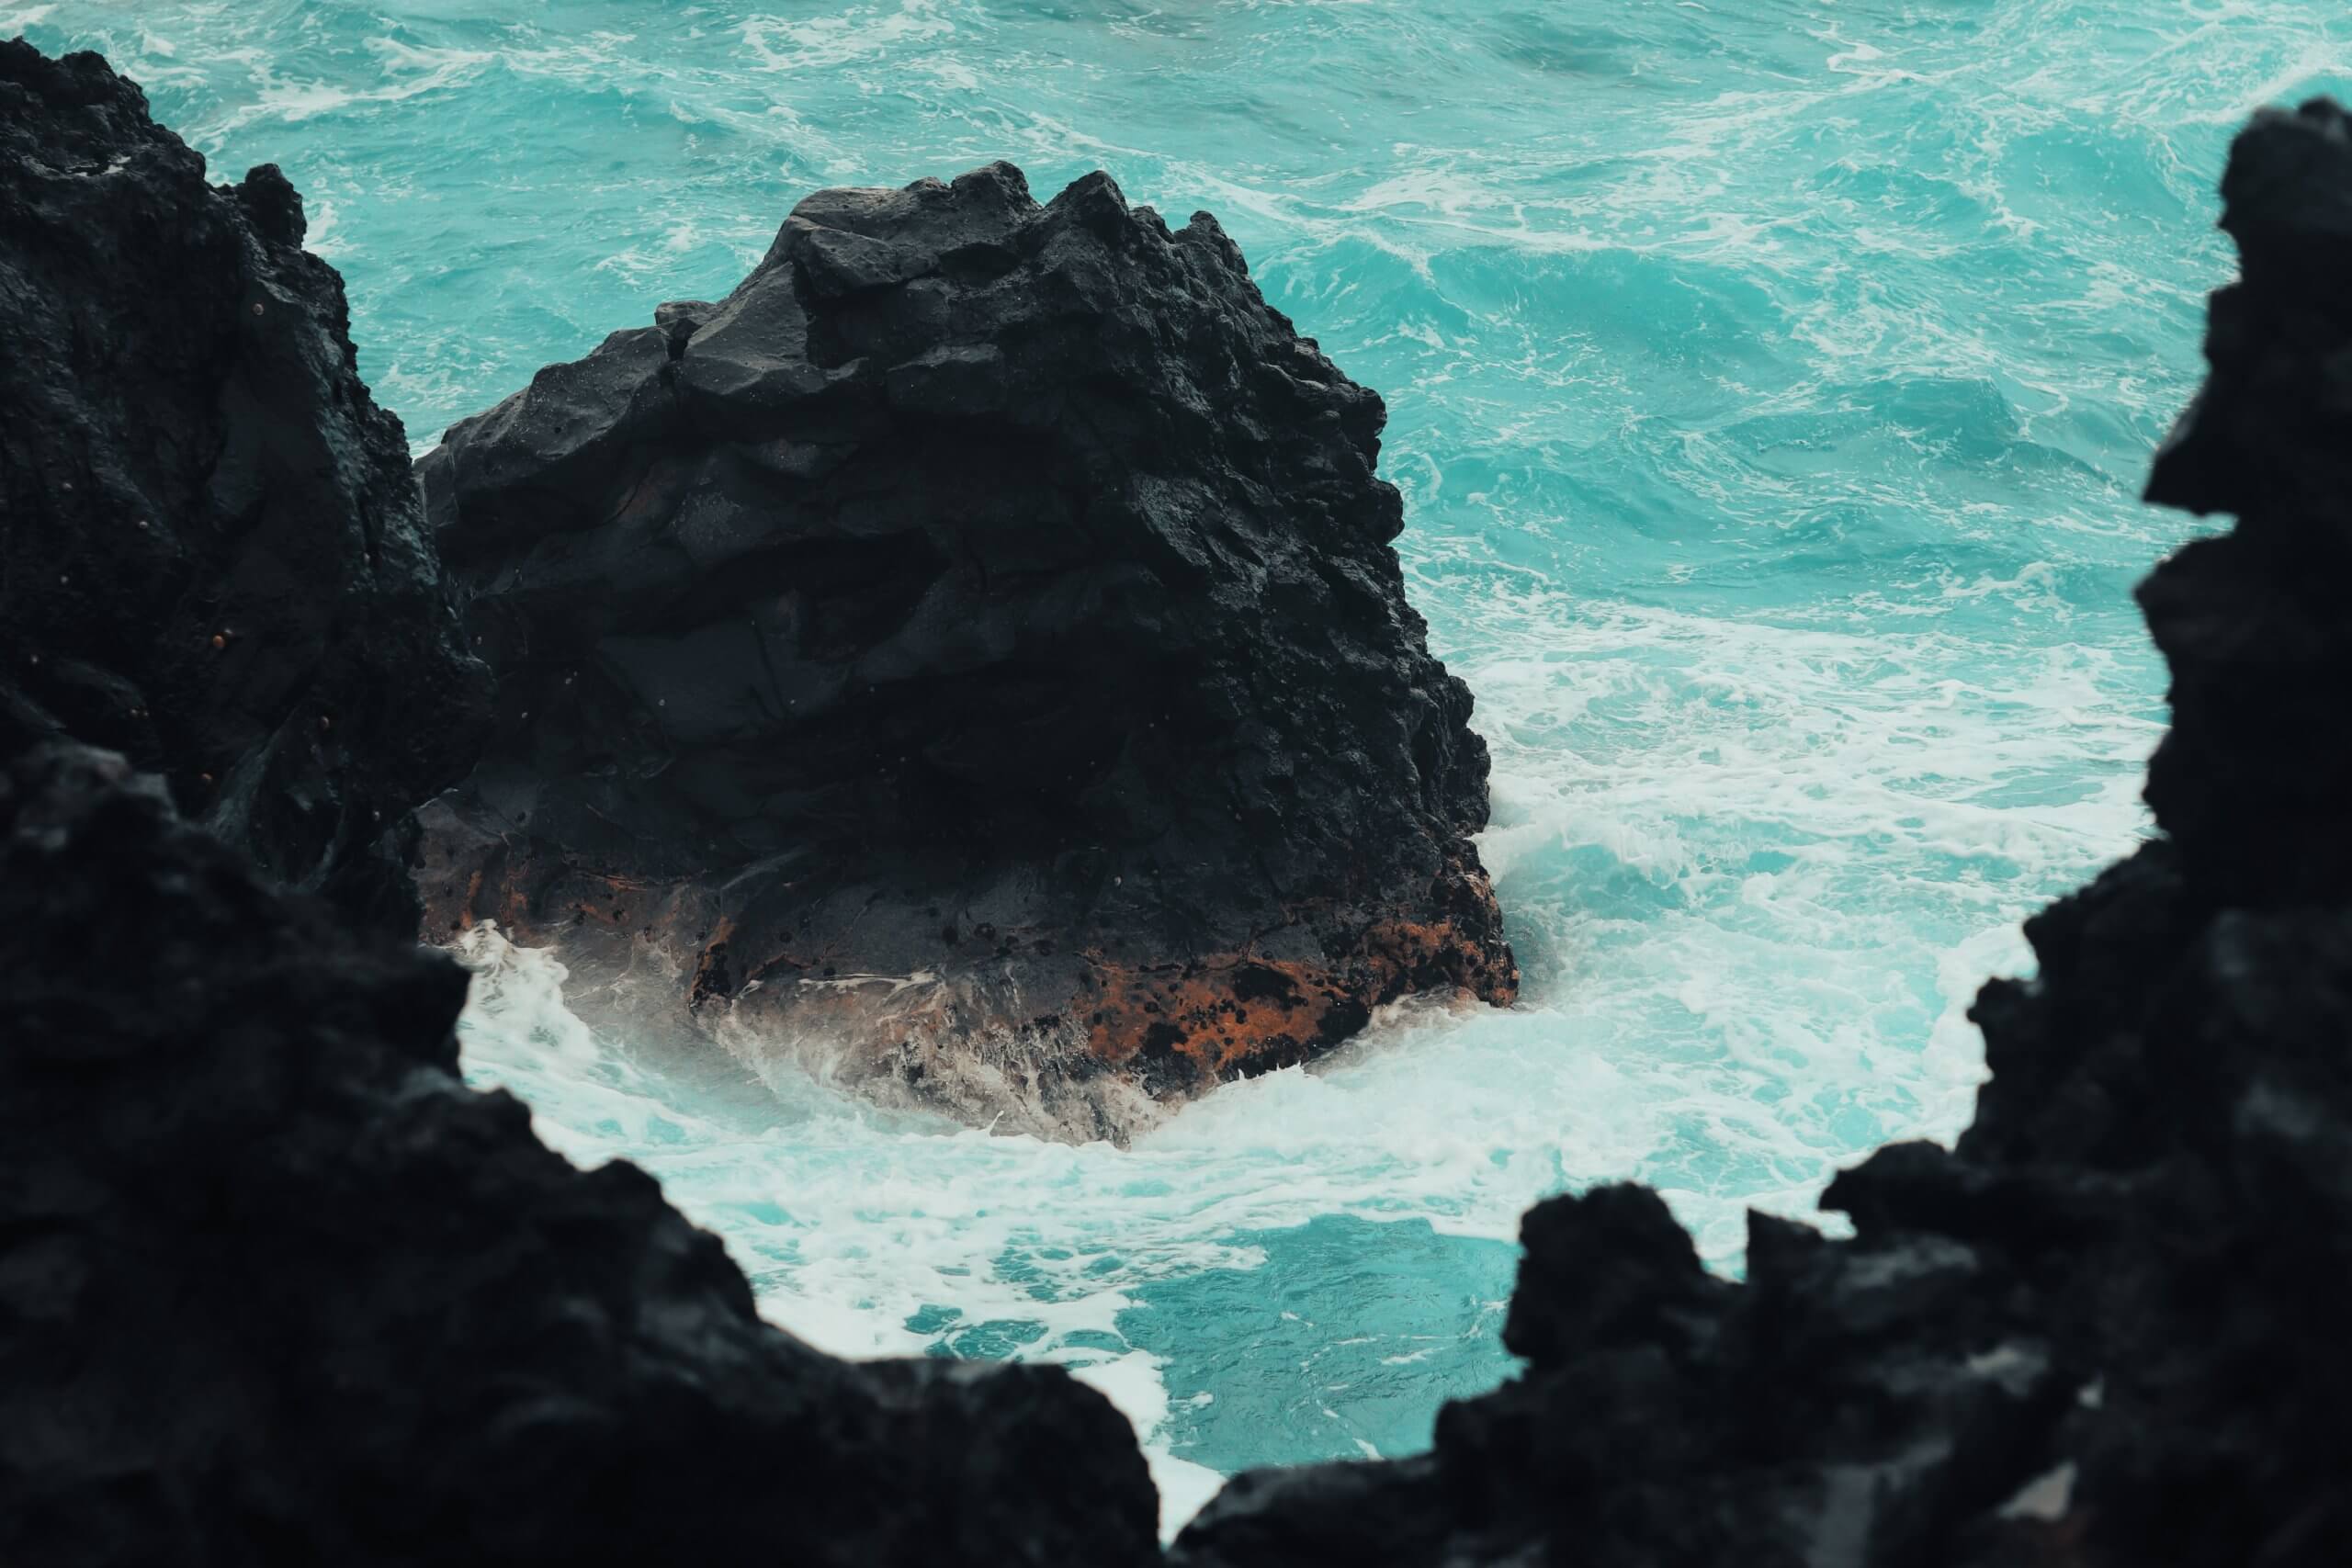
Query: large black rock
[2108, 1329]
[211, 554]
[974, 650]
[276, 1287]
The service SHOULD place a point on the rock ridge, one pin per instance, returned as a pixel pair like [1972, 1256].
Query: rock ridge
[212, 557]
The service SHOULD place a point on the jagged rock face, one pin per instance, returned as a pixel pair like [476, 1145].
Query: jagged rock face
[277, 1288]
[2107, 1328]
[974, 648]
[211, 554]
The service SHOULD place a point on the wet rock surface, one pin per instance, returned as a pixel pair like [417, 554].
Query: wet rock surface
[277, 1288]
[973, 650]
[212, 557]
[2105, 1329]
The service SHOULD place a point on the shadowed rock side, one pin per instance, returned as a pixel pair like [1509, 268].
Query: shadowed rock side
[973, 649]
[277, 1288]
[2108, 1328]
[212, 553]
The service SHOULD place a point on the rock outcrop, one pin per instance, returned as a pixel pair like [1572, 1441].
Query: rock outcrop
[276, 1287]
[211, 554]
[973, 650]
[2107, 1328]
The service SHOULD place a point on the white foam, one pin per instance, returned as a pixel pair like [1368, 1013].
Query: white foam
[1134, 1383]
[818, 43]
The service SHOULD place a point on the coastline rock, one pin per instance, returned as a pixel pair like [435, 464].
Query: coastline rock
[211, 554]
[972, 651]
[2106, 1328]
[277, 1287]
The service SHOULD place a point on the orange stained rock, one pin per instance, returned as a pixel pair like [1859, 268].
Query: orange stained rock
[1238, 1011]
[1213, 1017]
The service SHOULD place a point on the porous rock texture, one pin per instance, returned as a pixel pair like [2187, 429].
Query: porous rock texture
[276, 1287]
[212, 557]
[973, 650]
[2108, 1329]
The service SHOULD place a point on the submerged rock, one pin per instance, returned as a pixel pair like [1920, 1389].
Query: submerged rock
[277, 1287]
[2107, 1328]
[972, 651]
[211, 554]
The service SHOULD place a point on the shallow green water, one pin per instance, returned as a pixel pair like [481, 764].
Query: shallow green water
[1771, 383]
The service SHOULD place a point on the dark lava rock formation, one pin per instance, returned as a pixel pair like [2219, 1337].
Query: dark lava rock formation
[2108, 1328]
[212, 553]
[277, 1288]
[972, 650]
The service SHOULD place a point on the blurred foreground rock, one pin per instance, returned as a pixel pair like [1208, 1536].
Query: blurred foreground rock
[276, 1287]
[2108, 1329]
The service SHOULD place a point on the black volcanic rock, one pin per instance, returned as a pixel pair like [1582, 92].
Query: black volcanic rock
[2108, 1328]
[277, 1288]
[212, 553]
[975, 647]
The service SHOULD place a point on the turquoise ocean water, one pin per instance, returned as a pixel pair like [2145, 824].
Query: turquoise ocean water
[1771, 382]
